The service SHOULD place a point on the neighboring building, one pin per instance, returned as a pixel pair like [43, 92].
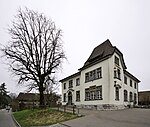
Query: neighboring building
[102, 83]
[144, 98]
[30, 100]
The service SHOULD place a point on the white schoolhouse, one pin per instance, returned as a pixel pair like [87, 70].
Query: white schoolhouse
[102, 83]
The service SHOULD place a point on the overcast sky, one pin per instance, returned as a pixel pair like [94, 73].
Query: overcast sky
[86, 24]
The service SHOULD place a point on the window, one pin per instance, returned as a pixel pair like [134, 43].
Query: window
[125, 95]
[87, 94]
[135, 98]
[70, 83]
[93, 93]
[99, 92]
[116, 60]
[130, 82]
[77, 95]
[125, 80]
[99, 74]
[86, 77]
[93, 75]
[135, 85]
[92, 97]
[64, 97]
[131, 98]
[117, 74]
[117, 93]
[77, 81]
[64, 85]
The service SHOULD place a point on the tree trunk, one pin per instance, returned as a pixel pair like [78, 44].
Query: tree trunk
[41, 90]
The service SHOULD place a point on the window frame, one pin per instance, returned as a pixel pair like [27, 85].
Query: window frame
[78, 95]
[116, 61]
[93, 75]
[131, 83]
[125, 80]
[64, 86]
[125, 95]
[77, 81]
[131, 97]
[64, 97]
[117, 93]
[71, 83]
[93, 93]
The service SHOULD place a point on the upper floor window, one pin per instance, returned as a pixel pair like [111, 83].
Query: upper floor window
[99, 72]
[116, 60]
[70, 83]
[130, 82]
[117, 74]
[86, 77]
[125, 80]
[93, 75]
[64, 85]
[135, 85]
[77, 81]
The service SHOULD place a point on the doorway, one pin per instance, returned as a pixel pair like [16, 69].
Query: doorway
[70, 98]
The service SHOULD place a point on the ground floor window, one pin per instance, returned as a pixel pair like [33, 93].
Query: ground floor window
[64, 97]
[77, 95]
[131, 97]
[125, 95]
[135, 98]
[93, 93]
[117, 93]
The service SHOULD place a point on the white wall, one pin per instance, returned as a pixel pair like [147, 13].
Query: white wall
[107, 83]
[99, 82]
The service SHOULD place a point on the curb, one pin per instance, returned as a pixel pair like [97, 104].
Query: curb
[17, 124]
[64, 124]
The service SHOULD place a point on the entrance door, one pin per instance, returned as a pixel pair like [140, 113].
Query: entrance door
[69, 98]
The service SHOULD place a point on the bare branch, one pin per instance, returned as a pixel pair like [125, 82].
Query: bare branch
[35, 50]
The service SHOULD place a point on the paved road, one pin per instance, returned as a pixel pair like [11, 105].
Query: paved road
[6, 119]
[120, 118]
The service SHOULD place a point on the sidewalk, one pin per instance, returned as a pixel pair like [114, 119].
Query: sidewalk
[55, 125]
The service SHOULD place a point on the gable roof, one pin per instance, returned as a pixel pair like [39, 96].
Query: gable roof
[103, 52]
[28, 97]
[71, 76]
[34, 96]
[131, 76]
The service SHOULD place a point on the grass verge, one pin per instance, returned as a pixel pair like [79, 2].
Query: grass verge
[39, 117]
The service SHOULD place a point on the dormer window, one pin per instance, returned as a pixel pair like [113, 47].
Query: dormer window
[116, 60]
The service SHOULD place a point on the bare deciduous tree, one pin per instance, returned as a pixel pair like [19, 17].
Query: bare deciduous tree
[35, 51]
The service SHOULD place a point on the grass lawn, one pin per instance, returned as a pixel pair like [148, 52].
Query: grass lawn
[37, 117]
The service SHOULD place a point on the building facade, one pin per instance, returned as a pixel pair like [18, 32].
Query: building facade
[144, 98]
[102, 83]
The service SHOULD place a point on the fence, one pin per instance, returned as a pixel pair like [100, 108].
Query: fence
[72, 109]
